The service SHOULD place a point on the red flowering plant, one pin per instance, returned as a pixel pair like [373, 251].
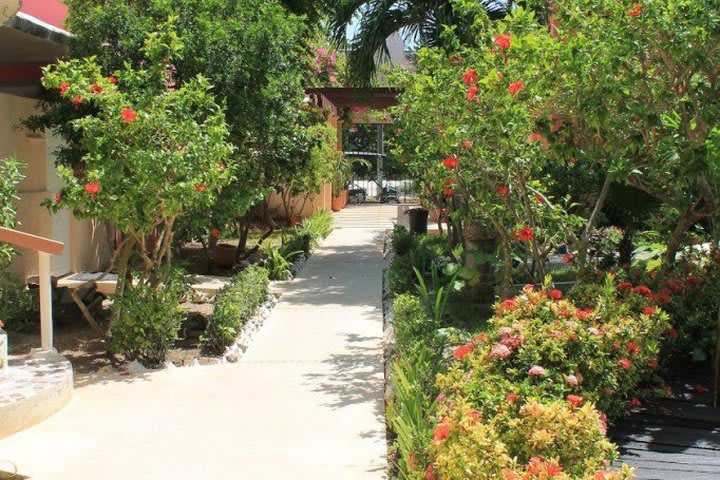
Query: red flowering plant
[543, 346]
[152, 151]
[470, 131]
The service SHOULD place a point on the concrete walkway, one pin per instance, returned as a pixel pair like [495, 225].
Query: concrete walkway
[306, 402]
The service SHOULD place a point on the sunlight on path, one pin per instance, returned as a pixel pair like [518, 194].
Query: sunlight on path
[306, 401]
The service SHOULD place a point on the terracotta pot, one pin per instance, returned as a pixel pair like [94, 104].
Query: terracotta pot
[344, 196]
[337, 204]
[225, 255]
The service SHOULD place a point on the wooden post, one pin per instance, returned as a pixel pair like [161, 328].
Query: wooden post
[46, 319]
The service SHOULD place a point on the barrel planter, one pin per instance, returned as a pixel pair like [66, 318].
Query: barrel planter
[225, 255]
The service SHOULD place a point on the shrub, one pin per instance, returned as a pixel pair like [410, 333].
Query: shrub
[319, 225]
[296, 244]
[277, 265]
[424, 250]
[146, 321]
[19, 308]
[401, 277]
[234, 306]
[402, 240]
[545, 347]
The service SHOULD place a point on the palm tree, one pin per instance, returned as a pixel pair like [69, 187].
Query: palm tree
[423, 20]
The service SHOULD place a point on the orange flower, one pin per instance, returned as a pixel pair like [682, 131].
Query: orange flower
[128, 115]
[92, 188]
[64, 87]
[442, 432]
[516, 87]
[472, 93]
[463, 350]
[470, 76]
[200, 187]
[575, 400]
[526, 234]
[635, 10]
[502, 41]
[474, 416]
[111, 79]
[78, 100]
[555, 294]
[650, 310]
[635, 402]
[95, 88]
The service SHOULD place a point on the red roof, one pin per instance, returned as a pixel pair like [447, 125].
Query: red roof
[53, 12]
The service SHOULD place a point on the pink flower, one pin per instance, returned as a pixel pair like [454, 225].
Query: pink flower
[499, 351]
[536, 371]
[594, 331]
[58, 198]
[603, 423]
[111, 79]
[467, 144]
[505, 331]
[215, 233]
[571, 380]
[430, 473]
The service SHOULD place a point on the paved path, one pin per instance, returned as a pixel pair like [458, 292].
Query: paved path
[306, 402]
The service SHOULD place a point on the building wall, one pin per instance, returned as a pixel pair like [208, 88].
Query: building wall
[318, 201]
[86, 244]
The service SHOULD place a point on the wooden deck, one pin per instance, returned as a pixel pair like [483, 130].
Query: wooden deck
[672, 439]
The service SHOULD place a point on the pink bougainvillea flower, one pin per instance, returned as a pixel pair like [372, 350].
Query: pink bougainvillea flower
[502, 41]
[571, 380]
[555, 294]
[526, 234]
[200, 187]
[95, 88]
[499, 351]
[64, 87]
[470, 77]
[430, 473]
[442, 432]
[472, 93]
[635, 402]
[467, 144]
[625, 363]
[111, 79]
[635, 10]
[451, 162]
[78, 100]
[511, 397]
[536, 371]
[516, 87]
[92, 188]
[575, 400]
[503, 191]
[128, 115]
[460, 352]
[215, 233]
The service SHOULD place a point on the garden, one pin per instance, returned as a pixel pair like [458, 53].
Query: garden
[568, 151]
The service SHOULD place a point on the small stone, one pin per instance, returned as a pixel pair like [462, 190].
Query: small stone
[136, 367]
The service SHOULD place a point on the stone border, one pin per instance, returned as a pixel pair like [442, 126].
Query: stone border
[235, 352]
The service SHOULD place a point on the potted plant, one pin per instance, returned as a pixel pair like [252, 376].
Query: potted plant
[225, 255]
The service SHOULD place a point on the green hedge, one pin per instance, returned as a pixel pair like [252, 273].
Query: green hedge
[234, 306]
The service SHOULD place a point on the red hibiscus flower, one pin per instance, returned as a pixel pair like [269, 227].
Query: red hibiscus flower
[625, 363]
[442, 432]
[470, 76]
[575, 400]
[650, 310]
[92, 188]
[467, 144]
[472, 93]
[64, 87]
[451, 162]
[95, 88]
[200, 187]
[58, 198]
[448, 192]
[526, 234]
[215, 233]
[78, 100]
[516, 87]
[555, 294]
[463, 350]
[653, 363]
[635, 402]
[502, 191]
[625, 286]
[635, 10]
[128, 115]
[111, 79]
[502, 41]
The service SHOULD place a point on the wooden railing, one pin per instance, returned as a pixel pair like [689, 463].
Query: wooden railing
[45, 248]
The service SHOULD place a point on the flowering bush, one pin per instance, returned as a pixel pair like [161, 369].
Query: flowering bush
[543, 346]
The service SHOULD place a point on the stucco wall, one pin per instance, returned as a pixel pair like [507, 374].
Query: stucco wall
[319, 201]
[87, 245]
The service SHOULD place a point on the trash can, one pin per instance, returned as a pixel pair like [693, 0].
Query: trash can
[418, 220]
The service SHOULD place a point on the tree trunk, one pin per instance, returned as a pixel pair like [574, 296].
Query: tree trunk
[590, 225]
[686, 221]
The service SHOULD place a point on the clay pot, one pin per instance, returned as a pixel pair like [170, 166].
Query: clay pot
[344, 195]
[337, 204]
[225, 255]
